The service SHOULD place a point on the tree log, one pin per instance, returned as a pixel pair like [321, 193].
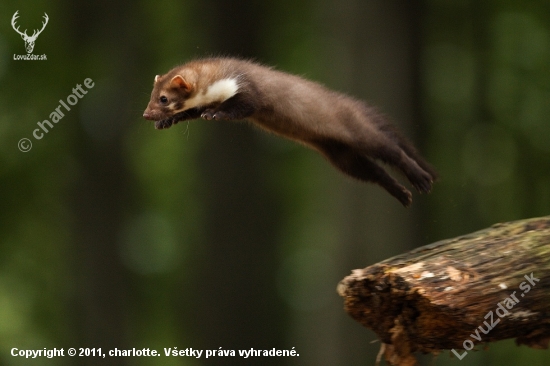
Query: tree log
[487, 286]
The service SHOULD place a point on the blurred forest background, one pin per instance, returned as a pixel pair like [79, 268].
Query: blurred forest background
[214, 234]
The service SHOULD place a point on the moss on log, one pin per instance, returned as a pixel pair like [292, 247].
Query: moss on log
[487, 286]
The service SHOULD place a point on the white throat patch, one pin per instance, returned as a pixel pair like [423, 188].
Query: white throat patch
[217, 92]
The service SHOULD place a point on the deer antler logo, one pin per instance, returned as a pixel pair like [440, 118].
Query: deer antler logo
[29, 41]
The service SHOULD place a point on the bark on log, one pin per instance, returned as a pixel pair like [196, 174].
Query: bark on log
[487, 286]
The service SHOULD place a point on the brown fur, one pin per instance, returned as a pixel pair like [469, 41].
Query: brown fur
[349, 133]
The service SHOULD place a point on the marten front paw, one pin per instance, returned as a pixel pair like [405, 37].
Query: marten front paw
[209, 114]
[162, 124]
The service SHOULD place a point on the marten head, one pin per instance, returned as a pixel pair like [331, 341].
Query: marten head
[169, 94]
[194, 86]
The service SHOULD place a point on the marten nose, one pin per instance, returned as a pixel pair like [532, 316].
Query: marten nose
[147, 116]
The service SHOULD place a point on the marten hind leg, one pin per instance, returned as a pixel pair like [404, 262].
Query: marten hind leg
[361, 167]
[414, 155]
[393, 134]
[391, 144]
[391, 153]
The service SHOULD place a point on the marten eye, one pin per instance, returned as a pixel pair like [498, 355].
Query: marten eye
[163, 99]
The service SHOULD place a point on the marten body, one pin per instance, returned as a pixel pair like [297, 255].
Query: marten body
[347, 131]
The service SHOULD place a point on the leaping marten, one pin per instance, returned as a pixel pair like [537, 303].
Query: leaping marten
[348, 132]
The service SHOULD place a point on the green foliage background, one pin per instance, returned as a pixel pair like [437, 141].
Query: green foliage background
[210, 234]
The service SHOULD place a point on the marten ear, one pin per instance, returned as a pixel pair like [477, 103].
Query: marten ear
[179, 82]
[157, 78]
